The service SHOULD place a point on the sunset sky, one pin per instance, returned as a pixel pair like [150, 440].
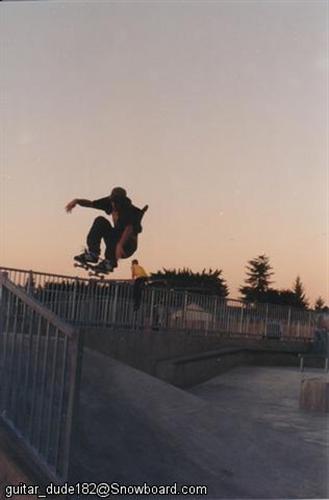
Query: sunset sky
[214, 113]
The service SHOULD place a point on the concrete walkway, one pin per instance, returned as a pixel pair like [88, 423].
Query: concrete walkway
[241, 434]
[284, 452]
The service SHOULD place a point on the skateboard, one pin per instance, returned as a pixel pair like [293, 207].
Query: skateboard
[92, 268]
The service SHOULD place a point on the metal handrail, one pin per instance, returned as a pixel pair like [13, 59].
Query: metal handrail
[40, 361]
[113, 281]
[47, 314]
[109, 302]
[62, 276]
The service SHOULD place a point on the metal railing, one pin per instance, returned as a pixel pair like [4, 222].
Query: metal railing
[39, 362]
[110, 303]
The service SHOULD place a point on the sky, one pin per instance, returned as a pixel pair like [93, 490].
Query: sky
[213, 113]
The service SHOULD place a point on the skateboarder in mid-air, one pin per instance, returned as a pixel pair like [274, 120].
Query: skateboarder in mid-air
[120, 239]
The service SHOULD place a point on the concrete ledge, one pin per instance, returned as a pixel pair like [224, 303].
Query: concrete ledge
[313, 361]
[187, 371]
[208, 355]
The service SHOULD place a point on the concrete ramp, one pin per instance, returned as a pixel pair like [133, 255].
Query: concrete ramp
[134, 428]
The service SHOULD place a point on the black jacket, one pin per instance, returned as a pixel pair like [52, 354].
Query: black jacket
[128, 213]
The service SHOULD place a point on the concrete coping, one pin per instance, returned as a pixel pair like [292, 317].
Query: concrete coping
[225, 352]
[208, 355]
[313, 355]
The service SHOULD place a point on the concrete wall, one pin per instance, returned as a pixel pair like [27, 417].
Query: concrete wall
[158, 353]
[188, 371]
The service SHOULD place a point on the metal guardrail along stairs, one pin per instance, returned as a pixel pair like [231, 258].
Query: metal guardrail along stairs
[40, 365]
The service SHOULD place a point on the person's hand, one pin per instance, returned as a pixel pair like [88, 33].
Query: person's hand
[69, 207]
[119, 252]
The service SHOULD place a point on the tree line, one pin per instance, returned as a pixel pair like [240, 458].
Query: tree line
[256, 288]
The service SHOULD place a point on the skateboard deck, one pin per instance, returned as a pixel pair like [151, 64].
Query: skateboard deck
[92, 268]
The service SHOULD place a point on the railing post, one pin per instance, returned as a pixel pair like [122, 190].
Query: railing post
[127, 303]
[214, 322]
[184, 309]
[266, 320]
[75, 353]
[309, 325]
[241, 319]
[107, 303]
[114, 303]
[227, 319]
[30, 284]
[74, 299]
[288, 322]
[151, 308]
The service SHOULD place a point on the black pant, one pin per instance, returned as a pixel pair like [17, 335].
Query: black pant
[103, 229]
[137, 292]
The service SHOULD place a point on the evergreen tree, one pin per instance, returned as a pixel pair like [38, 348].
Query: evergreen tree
[298, 289]
[208, 282]
[288, 298]
[259, 272]
[319, 304]
[280, 297]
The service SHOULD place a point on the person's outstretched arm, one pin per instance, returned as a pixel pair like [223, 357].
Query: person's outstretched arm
[83, 203]
[101, 204]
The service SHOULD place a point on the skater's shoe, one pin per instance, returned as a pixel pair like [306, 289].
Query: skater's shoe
[87, 257]
[105, 266]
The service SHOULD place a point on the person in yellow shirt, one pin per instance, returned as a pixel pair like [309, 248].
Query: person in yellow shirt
[139, 275]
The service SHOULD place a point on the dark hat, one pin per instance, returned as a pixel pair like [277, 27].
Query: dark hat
[118, 193]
